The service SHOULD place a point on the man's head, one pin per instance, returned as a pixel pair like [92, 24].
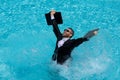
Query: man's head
[68, 33]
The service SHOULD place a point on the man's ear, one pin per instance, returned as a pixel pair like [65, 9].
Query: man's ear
[70, 35]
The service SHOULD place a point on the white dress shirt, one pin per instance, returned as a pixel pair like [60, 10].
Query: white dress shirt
[61, 42]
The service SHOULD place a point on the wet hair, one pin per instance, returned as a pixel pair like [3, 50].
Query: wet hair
[72, 31]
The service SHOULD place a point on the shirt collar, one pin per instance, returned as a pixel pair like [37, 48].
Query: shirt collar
[65, 39]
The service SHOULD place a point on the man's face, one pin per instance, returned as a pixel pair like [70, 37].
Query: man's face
[67, 33]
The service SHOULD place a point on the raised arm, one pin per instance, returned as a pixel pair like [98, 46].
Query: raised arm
[90, 34]
[55, 25]
[77, 42]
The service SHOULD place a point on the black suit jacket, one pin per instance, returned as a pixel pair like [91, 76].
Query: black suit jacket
[62, 53]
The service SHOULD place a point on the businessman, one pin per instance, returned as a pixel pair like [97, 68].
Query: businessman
[65, 44]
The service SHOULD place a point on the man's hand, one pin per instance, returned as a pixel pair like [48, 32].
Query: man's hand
[95, 32]
[52, 12]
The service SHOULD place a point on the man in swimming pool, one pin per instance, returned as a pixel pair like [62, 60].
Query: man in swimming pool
[65, 44]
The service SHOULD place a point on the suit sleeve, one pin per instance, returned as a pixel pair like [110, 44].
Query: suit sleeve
[77, 42]
[56, 29]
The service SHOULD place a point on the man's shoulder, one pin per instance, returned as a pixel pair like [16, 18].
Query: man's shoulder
[71, 40]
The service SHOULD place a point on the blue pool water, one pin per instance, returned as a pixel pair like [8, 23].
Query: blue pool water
[27, 42]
